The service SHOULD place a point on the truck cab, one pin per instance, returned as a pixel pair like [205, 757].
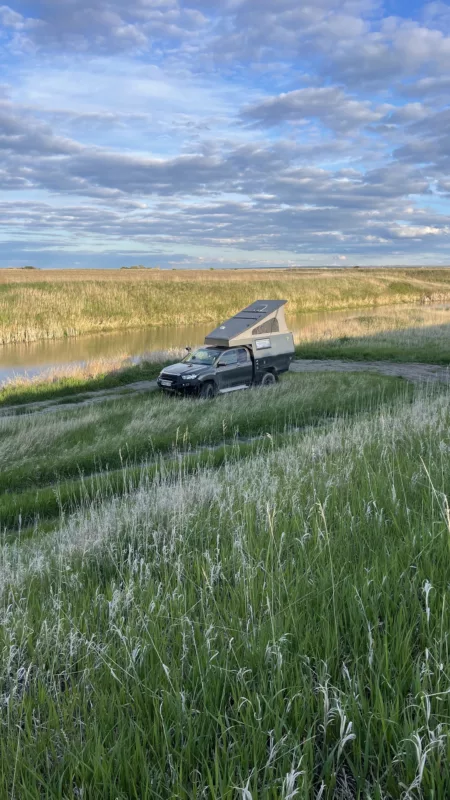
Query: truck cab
[236, 355]
[208, 371]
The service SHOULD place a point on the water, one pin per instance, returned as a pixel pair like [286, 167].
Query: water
[36, 357]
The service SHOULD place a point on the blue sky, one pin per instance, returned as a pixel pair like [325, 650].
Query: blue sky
[227, 133]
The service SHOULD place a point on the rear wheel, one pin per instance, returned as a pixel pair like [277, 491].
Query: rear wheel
[268, 379]
[208, 391]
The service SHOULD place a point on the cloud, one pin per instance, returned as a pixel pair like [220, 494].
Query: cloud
[330, 105]
[11, 19]
[22, 133]
[101, 25]
[427, 88]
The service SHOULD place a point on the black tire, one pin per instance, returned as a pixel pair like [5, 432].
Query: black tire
[208, 391]
[268, 379]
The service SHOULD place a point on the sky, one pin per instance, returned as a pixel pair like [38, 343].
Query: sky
[224, 133]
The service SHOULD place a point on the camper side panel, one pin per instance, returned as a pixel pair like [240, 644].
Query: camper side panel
[272, 352]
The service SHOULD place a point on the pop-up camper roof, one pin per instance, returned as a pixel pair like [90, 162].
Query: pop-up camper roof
[259, 318]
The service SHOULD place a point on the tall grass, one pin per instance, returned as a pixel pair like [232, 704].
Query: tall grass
[420, 333]
[38, 449]
[54, 304]
[76, 379]
[274, 629]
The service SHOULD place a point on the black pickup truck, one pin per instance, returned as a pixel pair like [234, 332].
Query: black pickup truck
[252, 348]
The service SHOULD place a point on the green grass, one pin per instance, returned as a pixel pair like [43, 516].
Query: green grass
[67, 387]
[392, 334]
[25, 514]
[37, 450]
[346, 348]
[273, 625]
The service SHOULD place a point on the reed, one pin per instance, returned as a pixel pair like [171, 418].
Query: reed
[54, 304]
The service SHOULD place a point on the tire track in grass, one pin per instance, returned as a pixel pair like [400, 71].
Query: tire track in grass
[411, 371]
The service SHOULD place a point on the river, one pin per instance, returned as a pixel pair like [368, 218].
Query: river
[36, 357]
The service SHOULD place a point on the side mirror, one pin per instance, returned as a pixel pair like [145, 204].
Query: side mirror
[188, 348]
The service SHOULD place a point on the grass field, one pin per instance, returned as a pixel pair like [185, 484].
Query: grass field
[38, 452]
[57, 303]
[268, 619]
[420, 333]
[96, 375]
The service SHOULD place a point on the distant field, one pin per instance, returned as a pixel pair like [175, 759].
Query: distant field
[53, 304]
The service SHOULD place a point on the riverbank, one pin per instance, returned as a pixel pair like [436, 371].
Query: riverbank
[53, 304]
[418, 333]
[94, 376]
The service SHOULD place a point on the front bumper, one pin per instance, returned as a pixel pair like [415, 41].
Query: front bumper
[174, 384]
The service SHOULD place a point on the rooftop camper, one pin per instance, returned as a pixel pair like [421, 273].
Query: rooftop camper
[252, 348]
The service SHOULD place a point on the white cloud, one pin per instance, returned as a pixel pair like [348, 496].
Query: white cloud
[330, 105]
[103, 25]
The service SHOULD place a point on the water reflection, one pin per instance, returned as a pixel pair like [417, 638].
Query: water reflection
[35, 357]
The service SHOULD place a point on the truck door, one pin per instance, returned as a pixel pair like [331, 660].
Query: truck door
[234, 368]
[245, 371]
[227, 369]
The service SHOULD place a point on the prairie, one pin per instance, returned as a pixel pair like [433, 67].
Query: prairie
[420, 333]
[244, 598]
[40, 451]
[56, 303]
[269, 624]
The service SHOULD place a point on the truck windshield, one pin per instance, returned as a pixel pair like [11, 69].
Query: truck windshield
[206, 356]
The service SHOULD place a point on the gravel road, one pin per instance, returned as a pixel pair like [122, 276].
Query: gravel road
[417, 373]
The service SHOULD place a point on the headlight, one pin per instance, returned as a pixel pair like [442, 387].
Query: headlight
[189, 377]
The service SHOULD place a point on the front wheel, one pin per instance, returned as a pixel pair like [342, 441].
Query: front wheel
[268, 379]
[208, 391]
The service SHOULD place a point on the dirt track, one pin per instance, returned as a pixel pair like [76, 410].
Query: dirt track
[417, 373]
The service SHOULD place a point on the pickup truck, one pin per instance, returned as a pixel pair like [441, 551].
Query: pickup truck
[250, 349]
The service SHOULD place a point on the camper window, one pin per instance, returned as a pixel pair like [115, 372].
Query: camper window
[271, 326]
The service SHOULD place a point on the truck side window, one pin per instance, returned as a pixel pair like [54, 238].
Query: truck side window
[229, 357]
[242, 356]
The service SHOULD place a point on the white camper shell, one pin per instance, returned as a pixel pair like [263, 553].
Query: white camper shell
[260, 327]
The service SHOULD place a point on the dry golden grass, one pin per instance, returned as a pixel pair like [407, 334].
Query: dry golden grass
[53, 304]
[417, 333]
[69, 372]
[369, 322]
[92, 369]
[93, 375]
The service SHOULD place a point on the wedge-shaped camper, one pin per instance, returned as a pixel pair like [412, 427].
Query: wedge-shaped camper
[258, 319]
[253, 347]
[261, 326]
